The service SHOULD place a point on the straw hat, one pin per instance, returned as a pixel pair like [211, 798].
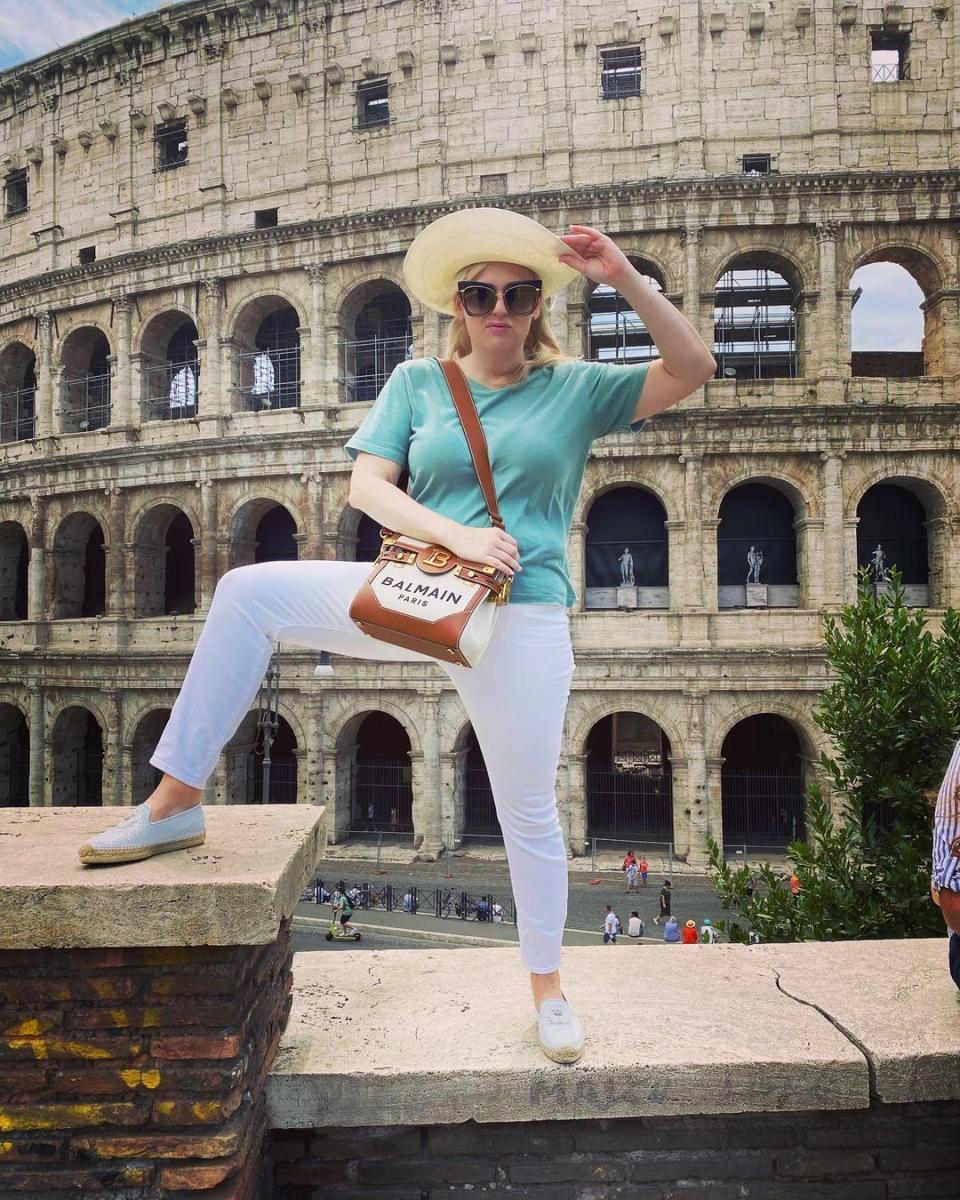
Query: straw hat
[472, 235]
[691, 924]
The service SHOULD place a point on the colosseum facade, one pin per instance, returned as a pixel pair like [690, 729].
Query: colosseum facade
[205, 212]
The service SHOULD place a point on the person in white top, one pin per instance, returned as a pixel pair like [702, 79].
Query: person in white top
[707, 932]
[635, 926]
[611, 926]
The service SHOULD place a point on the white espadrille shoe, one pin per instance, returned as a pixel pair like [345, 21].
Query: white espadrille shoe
[138, 837]
[561, 1034]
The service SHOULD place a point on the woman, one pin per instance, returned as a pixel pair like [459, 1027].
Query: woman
[491, 270]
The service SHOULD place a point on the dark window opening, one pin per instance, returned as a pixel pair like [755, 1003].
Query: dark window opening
[265, 218]
[171, 142]
[15, 193]
[621, 73]
[87, 255]
[756, 164]
[373, 104]
[888, 57]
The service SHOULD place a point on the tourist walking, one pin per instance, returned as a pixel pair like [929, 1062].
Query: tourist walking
[491, 270]
[644, 872]
[665, 893]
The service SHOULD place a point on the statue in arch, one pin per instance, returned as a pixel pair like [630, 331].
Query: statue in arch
[878, 564]
[626, 568]
[754, 563]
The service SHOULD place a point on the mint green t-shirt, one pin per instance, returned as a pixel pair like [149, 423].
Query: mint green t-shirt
[538, 433]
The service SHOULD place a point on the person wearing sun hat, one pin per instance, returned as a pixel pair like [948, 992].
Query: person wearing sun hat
[491, 270]
[690, 937]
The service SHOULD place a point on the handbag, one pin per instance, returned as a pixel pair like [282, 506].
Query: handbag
[423, 596]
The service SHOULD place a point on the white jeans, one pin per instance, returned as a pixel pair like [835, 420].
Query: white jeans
[515, 698]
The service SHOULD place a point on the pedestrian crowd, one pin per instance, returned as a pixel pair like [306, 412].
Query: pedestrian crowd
[636, 871]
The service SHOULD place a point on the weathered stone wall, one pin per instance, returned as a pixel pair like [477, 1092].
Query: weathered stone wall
[471, 103]
[886, 1151]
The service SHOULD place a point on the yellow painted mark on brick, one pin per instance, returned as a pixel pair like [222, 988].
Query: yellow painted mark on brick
[204, 1110]
[43, 1049]
[6, 1147]
[30, 1025]
[106, 989]
[133, 1078]
[38, 1118]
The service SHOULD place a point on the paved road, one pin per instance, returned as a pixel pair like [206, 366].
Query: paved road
[694, 897]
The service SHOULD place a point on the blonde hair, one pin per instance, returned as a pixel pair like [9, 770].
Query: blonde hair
[541, 348]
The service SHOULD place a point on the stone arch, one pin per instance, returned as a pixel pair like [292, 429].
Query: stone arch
[245, 520]
[621, 478]
[393, 802]
[14, 756]
[18, 387]
[266, 340]
[77, 744]
[79, 567]
[159, 325]
[762, 705]
[763, 783]
[86, 359]
[766, 267]
[169, 361]
[627, 702]
[14, 571]
[164, 564]
[791, 484]
[370, 354]
[933, 493]
[628, 780]
[928, 269]
[629, 518]
[147, 729]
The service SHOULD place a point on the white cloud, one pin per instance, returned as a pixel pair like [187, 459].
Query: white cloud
[29, 28]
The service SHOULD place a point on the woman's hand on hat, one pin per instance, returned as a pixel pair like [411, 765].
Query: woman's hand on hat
[595, 255]
[494, 547]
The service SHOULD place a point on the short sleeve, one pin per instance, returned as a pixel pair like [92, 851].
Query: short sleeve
[387, 427]
[614, 394]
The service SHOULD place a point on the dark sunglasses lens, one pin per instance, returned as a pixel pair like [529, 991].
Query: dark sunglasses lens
[521, 298]
[478, 299]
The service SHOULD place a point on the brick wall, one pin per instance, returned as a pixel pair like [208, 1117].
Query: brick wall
[887, 1151]
[138, 1073]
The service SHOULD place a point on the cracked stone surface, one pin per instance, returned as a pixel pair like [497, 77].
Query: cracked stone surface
[893, 999]
[394, 1037]
[233, 890]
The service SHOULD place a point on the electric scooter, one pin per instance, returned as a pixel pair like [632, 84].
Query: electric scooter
[336, 932]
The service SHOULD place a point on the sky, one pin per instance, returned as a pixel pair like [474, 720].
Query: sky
[29, 28]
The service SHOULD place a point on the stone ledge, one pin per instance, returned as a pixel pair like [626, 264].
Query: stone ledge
[232, 891]
[380, 1038]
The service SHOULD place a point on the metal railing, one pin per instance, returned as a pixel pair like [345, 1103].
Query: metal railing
[17, 415]
[449, 903]
[368, 364]
[269, 379]
[85, 403]
[630, 805]
[607, 855]
[172, 391]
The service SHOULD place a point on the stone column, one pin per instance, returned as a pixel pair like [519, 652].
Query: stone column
[38, 739]
[37, 571]
[213, 400]
[117, 754]
[576, 560]
[315, 384]
[827, 364]
[697, 307]
[43, 403]
[426, 784]
[121, 385]
[449, 830]
[693, 562]
[714, 799]
[314, 774]
[576, 803]
[310, 539]
[937, 537]
[809, 531]
[677, 578]
[834, 532]
[119, 558]
[690, 832]
[205, 545]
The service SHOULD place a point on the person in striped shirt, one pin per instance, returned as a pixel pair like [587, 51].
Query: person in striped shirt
[945, 882]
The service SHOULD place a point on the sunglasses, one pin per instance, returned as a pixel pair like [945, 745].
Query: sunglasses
[479, 299]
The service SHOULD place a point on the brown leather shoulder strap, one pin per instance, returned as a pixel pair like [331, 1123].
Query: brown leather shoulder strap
[476, 439]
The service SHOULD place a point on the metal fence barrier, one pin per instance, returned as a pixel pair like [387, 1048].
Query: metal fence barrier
[432, 902]
[659, 856]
